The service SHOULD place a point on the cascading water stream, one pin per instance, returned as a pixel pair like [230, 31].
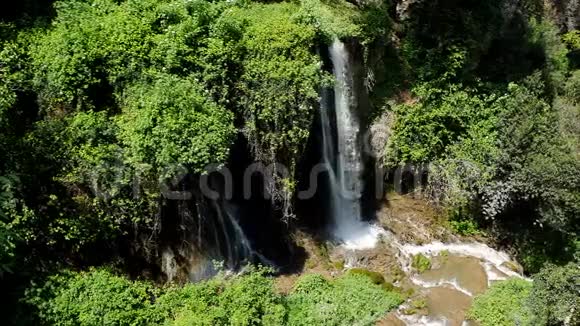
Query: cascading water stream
[342, 156]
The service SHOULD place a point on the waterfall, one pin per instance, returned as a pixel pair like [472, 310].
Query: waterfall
[348, 160]
[342, 155]
[239, 249]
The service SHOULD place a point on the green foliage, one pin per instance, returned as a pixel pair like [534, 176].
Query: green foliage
[555, 296]
[7, 234]
[446, 38]
[331, 19]
[543, 245]
[169, 122]
[571, 91]
[460, 222]
[421, 263]
[424, 130]
[87, 199]
[100, 297]
[97, 297]
[350, 299]
[279, 86]
[545, 35]
[417, 306]
[512, 160]
[552, 299]
[464, 227]
[503, 304]
[538, 165]
[188, 302]
[572, 39]
[117, 91]
[13, 76]
[91, 51]
[246, 300]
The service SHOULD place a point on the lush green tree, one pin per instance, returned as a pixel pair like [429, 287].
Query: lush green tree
[555, 296]
[425, 130]
[91, 52]
[8, 236]
[170, 122]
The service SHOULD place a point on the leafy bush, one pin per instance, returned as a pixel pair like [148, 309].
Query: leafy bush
[170, 122]
[424, 130]
[245, 300]
[251, 300]
[514, 164]
[93, 49]
[464, 227]
[350, 299]
[503, 304]
[96, 297]
[555, 296]
[99, 297]
[8, 237]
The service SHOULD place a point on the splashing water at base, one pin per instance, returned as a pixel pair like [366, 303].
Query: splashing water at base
[359, 235]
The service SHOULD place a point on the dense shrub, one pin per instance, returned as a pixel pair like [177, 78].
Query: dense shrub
[170, 122]
[555, 296]
[100, 297]
[503, 304]
[93, 49]
[245, 300]
[464, 227]
[350, 299]
[96, 297]
[424, 130]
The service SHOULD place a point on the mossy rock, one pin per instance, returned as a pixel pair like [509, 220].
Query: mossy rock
[416, 306]
[408, 292]
[310, 263]
[513, 266]
[376, 277]
[421, 263]
[396, 274]
[388, 286]
[419, 303]
[338, 265]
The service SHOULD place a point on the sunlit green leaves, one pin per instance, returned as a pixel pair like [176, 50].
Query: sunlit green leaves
[169, 122]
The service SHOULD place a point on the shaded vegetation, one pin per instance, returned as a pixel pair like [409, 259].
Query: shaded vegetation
[107, 105]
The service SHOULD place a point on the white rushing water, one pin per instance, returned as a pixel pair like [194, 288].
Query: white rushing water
[342, 155]
[468, 268]
[493, 261]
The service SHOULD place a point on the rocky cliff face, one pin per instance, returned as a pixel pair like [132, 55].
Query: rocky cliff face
[566, 13]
